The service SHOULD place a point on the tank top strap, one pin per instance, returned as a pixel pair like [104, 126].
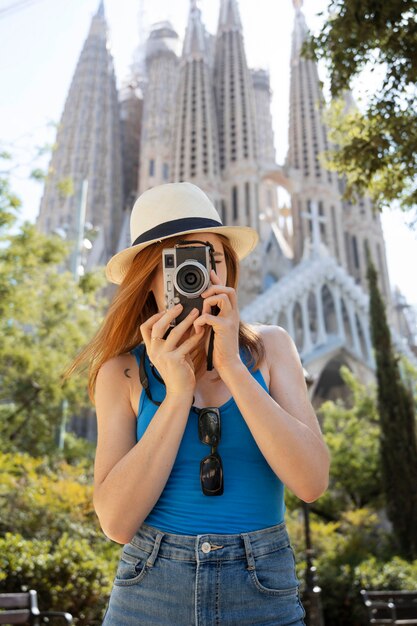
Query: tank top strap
[137, 352]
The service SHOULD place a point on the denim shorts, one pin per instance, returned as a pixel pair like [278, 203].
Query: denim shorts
[246, 579]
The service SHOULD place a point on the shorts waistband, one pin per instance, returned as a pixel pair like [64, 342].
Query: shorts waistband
[210, 546]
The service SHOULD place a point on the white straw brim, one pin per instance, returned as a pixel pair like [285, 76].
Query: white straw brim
[242, 238]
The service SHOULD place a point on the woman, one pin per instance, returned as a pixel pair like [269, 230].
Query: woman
[190, 558]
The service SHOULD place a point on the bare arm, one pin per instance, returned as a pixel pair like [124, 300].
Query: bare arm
[283, 423]
[129, 477]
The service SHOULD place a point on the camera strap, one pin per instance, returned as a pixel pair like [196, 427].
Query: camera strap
[144, 377]
[215, 310]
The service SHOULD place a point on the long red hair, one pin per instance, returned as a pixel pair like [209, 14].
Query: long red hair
[134, 302]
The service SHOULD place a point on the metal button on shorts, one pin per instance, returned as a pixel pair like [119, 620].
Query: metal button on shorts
[206, 547]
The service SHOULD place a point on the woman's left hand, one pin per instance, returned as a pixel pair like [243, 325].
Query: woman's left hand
[225, 324]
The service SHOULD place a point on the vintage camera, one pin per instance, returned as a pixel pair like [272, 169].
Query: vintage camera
[186, 271]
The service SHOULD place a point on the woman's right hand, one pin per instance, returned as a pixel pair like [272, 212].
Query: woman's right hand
[172, 361]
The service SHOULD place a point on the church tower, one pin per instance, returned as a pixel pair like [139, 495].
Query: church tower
[362, 230]
[235, 104]
[88, 148]
[196, 150]
[157, 138]
[315, 190]
[265, 149]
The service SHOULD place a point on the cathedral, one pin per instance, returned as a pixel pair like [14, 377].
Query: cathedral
[193, 110]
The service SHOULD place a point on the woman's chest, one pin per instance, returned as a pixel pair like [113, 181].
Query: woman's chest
[212, 392]
[208, 391]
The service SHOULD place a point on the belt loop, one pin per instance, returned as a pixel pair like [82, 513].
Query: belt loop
[248, 550]
[154, 554]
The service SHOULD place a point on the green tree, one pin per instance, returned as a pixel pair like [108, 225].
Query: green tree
[352, 433]
[398, 428]
[375, 149]
[9, 202]
[46, 316]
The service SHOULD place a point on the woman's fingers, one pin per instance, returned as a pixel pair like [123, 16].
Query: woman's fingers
[217, 288]
[211, 320]
[187, 345]
[146, 327]
[158, 324]
[215, 279]
[219, 299]
[178, 330]
[161, 325]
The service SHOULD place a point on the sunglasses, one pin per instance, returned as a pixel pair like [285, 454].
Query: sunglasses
[211, 468]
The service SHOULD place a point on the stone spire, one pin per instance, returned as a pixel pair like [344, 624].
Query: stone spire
[307, 140]
[229, 17]
[195, 35]
[100, 10]
[88, 148]
[196, 139]
[235, 104]
[236, 118]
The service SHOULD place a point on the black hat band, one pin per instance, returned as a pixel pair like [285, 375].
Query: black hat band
[175, 226]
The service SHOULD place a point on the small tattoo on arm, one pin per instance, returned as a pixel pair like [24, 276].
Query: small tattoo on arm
[126, 372]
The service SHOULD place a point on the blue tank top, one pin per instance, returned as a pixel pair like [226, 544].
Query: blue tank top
[253, 495]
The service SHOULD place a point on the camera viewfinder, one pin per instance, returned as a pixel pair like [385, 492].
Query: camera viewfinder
[169, 260]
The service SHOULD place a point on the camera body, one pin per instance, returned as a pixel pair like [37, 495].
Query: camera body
[186, 274]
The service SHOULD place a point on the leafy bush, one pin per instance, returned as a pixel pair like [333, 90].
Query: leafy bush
[67, 574]
[78, 450]
[395, 574]
[341, 549]
[44, 499]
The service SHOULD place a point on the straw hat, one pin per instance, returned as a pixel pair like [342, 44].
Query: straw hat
[175, 209]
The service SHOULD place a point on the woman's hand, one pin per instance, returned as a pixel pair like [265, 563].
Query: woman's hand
[172, 361]
[225, 324]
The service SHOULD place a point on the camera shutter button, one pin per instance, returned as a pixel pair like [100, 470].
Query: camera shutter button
[176, 299]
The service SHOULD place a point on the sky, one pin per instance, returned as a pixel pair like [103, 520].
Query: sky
[40, 42]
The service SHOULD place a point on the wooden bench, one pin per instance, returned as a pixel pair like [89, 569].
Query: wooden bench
[22, 608]
[391, 607]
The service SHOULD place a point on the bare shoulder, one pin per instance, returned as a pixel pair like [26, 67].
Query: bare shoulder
[277, 342]
[118, 380]
[116, 419]
[116, 369]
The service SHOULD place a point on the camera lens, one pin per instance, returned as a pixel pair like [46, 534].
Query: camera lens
[191, 278]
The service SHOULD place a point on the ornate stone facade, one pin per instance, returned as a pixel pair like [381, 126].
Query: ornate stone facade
[204, 116]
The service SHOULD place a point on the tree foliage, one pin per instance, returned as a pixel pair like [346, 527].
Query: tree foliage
[398, 428]
[68, 574]
[351, 434]
[376, 149]
[46, 316]
[50, 538]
